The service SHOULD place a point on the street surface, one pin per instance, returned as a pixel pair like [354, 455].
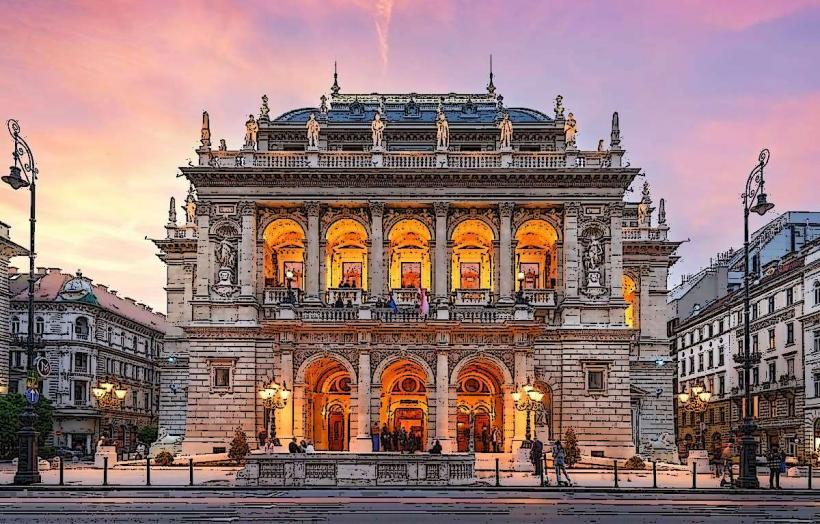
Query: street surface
[394, 506]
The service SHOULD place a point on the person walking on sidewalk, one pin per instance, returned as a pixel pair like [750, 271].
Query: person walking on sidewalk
[537, 456]
[559, 460]
[775, 459]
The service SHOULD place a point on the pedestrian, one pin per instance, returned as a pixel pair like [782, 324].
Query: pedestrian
[262, 437]
[309, 448]
[293, 447]
[268, 445]
[726, 457]
[302, 446]
[436, 449]
[717, 459]
[394, 440]
[537, 456]
[402, 440]
[485, 439]
[496, 440]
[385, 439]
[775, 460]
[559, 462]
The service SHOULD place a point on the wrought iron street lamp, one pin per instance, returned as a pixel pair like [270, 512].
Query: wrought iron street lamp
[754, 201]
[274, 397]
[529, 402]
[696, 401]
[108, 395]
[22, 174]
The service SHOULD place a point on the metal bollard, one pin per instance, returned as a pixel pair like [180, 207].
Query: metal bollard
[62, 472]
[542, 475]
[546, 473]
[190, 471]
[809, 475]
[654, 474]
[615, 462]
[497, 474]
[105, 471]
[694, 475]
[147, 471]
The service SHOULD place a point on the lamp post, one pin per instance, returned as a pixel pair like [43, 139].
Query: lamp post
[519, 297]
[109, 396]
[289, 278]
[23, 173]
[274, 397]
[754, 201]
[529, 402]
[696, 401]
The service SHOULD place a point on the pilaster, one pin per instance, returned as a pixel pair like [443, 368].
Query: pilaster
[442, 400]
[203, 249]
[505, 258]
[362, 442]
[440, 269]
[376, 255]
[312, 265]
[247, 250]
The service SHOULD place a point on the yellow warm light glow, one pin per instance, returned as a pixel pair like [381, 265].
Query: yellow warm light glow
[696, 389]
[120, 393]
[98, 392]
[284, 251]
[346, 254]
[409, 255]
[107, 386]
[516, 396]
[704, 396]
[535, 255]
[473, 255]
[631, 298]
[285, 394]
[683, 397]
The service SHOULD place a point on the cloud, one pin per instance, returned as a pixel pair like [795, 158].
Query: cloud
[382, 15]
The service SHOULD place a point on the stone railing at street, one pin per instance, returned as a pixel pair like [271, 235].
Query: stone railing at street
[357, 469]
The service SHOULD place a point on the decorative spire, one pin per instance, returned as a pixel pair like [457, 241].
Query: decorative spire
[205, 137]
[615, 136]
[491, 85]
[172, 212]
[264, 110]
[662, 212]
[334, 89]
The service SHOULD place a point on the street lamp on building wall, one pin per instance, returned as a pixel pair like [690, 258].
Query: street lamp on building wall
[274, 397]
[529, 402]
[754, 201]
[23, 173]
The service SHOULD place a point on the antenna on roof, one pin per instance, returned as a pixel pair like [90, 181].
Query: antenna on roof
[334, 89]
[491, 85]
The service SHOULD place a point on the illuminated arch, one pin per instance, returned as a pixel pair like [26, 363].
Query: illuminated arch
[284, 248]
[405, 385]
[480, 404]
[631, 315]
[328, 384]
[535, 254]
[473, 258]
[346, 254]
[409, 254]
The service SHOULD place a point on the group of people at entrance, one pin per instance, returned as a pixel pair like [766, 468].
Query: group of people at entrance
[559, 462]
[398, 440]
[488, 440]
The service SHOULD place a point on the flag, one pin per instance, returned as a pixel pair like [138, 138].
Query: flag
[424, 305]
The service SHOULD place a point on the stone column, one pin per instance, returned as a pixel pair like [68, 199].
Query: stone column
[571, 257]
[442, 401]
[616, 248]
[362, 442]
[441, 262]
[203, 249]
[312, 252]
[520, 426]
[284, 416]
[247, 249]
[505, 256]
[376, 259]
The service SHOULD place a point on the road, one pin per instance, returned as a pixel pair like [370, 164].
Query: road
[396, 506]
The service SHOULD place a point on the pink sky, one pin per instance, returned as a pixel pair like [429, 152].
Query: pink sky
[109, 95]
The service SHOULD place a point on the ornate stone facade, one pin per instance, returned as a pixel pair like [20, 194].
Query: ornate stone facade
[398, 279]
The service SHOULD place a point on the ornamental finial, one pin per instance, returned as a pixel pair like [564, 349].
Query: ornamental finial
[615, 136]
[205, 137]
[334, 89]
[491, 85]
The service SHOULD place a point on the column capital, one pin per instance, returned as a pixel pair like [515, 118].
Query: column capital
[441, 208]
[203, 209]
[376, 208]
[572, 208]
[312, 208]
[247, 208]
[506, 209]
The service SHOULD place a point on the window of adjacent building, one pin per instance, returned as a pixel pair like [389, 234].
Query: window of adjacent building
[700, 362]
[711, 360]
[682, 368]
[110, 335]
[755, 308]
[222, 377]
[755, 407]
[771, 304]
[81, 330]
[722, 415]
[817, 385]
[740, 378]
[80, 390]
[15, 324]
[789, 297]
[711, 416]
[790, 367]
[816, 287]
[721, 326]
[790, 406]
[789, 333]
[755, 264]
[691, 364]
[720, 356]
[721, 385]
[81, 362]
[755, 376]
[772, 372]
[39, 325]
[711, 331]
[147, 399]
[771, 339]
[755, 344]
[816, 340]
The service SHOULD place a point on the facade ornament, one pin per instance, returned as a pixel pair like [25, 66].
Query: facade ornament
[222, 145]
[205, 138]
[225, 254]
[559, 107]
[377, 131]
[500, 103]
[601, 145]
[644, 210]
[226, 258]
[323, 105]
[506, 208]
[382, 100]
[172, 212]
[593, 261]
[506, 128]
[572, 209]
[312, 208]
[570, 130]
[440, 208]
[264, 110]
[312, 132]
[334, 89]
[442, 131]
[247, 208]
[662, 212]
[615, 135]
[190, 206]
[251, 130]
[491, 85]
[376, 208]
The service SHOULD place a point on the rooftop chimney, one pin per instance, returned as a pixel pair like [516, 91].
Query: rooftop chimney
[54, 270]
[13, 270]
[41, 271]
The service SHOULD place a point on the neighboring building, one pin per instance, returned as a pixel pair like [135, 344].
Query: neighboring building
[416, 275]
[8, 249]
[810, 322]
[91, 335]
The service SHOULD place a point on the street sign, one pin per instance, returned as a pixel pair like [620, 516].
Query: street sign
[32, 395]
[43, 367]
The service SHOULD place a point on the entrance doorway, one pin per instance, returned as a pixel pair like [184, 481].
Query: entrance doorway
[480, 405]
[481, 431]
[336, 430]
[328, 386]
[404, 399]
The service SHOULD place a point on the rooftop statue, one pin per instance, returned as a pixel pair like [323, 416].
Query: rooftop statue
[190, 207]
[264, 111]
[312, 131]
[205, 139]
[442, 131]
[601, 145]
[251, 130]
[506, 127]
[559, 106]
[571, 129]
[222, 145]
[643, 207]
[377, 131]
[323, 104]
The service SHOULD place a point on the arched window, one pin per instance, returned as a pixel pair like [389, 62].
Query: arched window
[39, 325]
[15, 324]
[81, 328]
[816, 292]
[631, 314]
[110, 335]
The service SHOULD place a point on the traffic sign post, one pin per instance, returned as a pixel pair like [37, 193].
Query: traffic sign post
[43, 366]
[32, 395]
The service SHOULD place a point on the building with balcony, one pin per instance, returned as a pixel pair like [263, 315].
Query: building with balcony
[410, 261]
[91, 335]
[810, 322]
[8, 250]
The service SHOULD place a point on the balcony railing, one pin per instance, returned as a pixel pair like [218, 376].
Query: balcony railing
[471, 297]
[330, 314]
[486, 316]
[540, 297]
[402, 315]
[281, 295]
[406, 296]
[345, 295]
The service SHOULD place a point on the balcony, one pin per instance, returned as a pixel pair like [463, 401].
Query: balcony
[281, 295]
[540, 297]
[406, 296]
[344, 296]
[81, 402]
[471, 297]
[483, 315]
[330, 314]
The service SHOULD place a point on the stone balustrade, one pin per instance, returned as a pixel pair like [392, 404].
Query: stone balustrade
[645, 233]
[408, 296]
[346, 294]
[357, 469]
[483, 315]
[472, 297]
[540, 297]
[281, 295]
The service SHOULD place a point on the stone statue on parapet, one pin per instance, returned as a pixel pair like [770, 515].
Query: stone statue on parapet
[312, 126]
[264, 110]
[222, 145]
[377, 131]
[442, 131]
[205, 137]
[506, 128]
[559, 106]
[570, 130]
[600, 145]
[190, 206]
[251, 130]
[643, 207]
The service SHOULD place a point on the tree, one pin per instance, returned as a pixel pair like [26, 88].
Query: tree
[148, 434]
[239, 446]
[571, 448]
[11, 406]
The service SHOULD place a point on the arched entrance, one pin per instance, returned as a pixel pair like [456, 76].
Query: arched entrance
[327, 405]
[404, 399]
[284, 250]
[409, 255]
[346, 255]
[480, 405]
[536, 256]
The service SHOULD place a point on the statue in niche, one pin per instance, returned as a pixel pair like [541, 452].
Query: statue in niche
[205, 138]
[190, 206]
[442, 131]
[570, 130]
[377, 131]
[172, 212]
[222, 145]
[251, 130]
[225, 254]
[559, 106]
[312, 131]
[644, 209]
[593, 261]
[506, 128]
